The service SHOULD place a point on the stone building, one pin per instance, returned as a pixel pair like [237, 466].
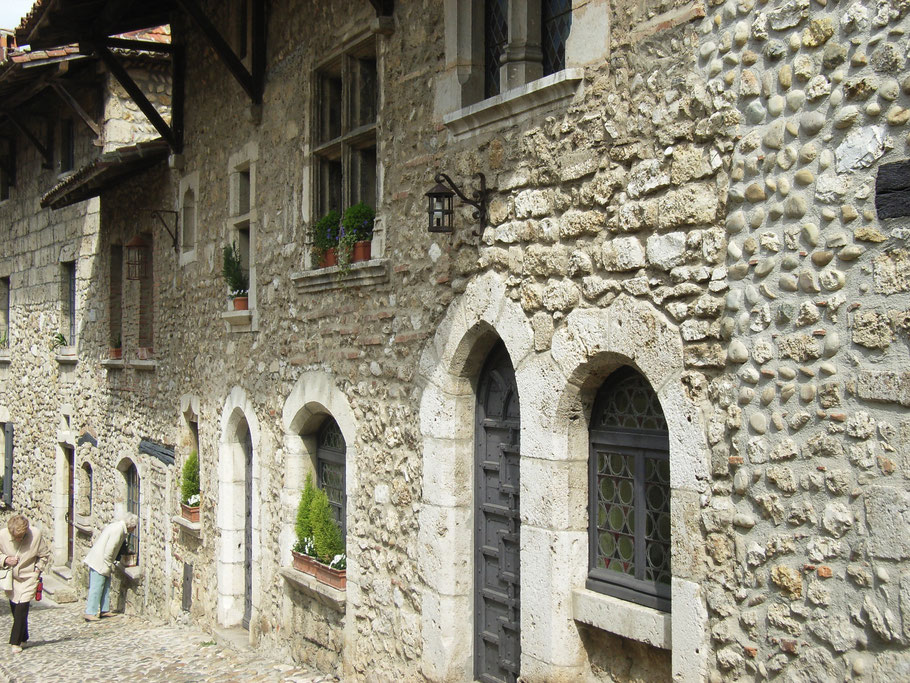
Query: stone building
[641, 418]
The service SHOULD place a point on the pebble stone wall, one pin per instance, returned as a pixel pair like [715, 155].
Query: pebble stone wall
[719, 167]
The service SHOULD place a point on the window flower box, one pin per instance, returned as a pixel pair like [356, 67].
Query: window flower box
[336, 578]
[304, 563]
[189, 512]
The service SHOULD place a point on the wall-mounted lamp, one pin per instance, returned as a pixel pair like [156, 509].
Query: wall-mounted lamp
[137, 258]
[440, 199]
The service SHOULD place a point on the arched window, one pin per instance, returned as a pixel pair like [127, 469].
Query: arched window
[131, 475]
[629, 492]
[330, 450]
[85, 490]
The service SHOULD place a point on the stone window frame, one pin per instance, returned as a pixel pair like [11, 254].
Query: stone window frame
[327, 456]
[242, 226]
[146, 308]
[127, 463]
[8, 455]
[189, 416]
[555, 435]
[6, 308]
[115, 293]
[188, 242]
[85, 488]
[526, 92]
[69, 294]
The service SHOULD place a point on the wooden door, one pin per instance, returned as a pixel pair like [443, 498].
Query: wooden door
[248, 530]
[497, 598]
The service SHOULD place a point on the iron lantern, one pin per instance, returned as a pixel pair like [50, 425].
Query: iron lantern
[440, 201]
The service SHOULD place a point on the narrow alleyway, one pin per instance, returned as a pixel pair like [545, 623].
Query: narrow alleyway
[63, 648]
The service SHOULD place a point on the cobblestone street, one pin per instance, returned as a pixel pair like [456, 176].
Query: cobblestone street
[63, 647]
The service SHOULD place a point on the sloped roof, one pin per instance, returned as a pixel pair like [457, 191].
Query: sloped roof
[105, 171]
[51, 23]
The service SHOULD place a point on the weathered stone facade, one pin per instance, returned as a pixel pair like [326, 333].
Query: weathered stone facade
[693, 195]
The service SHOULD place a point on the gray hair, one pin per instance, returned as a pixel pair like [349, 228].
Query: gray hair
[131, 520]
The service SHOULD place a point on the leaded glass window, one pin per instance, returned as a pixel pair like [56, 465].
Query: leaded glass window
[629, 523]
[495, 38]
[330, 452]
[556, 21]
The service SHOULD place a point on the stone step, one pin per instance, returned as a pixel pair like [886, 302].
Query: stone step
[63, 572]
[236, 638]
[58, 589]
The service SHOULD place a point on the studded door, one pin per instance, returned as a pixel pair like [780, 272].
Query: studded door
[497, 599]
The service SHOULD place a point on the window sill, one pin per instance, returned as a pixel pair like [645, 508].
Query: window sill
[362, 274]
[144, 365]
[192, 528]
[240, 321]
[503, 109]
[622, 618]
[67, 356]
[113, 364]
[132, 573]
[331, 597]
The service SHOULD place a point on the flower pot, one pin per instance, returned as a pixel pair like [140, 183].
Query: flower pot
[336, 578]
[144, 352]
[304, 563]
[329, 258]
[129, 559]
[189, 512]
[361, 251]
[241, 303]
[116, 354]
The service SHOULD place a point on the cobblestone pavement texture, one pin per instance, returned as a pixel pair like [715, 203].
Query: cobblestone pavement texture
[63, 647]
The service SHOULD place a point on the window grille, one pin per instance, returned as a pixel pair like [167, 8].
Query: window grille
[132, 504]
[629, 491]
[330, 475]
[495, 39]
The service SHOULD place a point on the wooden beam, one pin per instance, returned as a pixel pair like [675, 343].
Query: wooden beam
[257, 49]
[120, 73]
[141, 45]
[221, 47]
[76, 107]
[383, 8]
[42, 150]
[178, 94]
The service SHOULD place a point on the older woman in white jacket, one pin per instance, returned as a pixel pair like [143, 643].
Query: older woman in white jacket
[100, 560]
[25, 552]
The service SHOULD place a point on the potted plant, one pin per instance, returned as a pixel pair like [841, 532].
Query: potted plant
[4, 340]
[332, 568]
[58, 341]
[237, 281]
[189, 488]
[324, 236]
[304, 552]
[116, 350]
[356, 236]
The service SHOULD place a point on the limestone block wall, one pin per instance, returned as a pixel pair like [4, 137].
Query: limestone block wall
[123, 122]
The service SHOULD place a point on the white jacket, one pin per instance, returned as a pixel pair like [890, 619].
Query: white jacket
[104, 549]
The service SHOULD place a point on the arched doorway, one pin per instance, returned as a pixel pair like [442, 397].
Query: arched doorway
[497, 525]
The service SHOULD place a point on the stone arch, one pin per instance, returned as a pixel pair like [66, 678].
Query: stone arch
[586, 349]
[230, 519]
[313, 397]
[449, 366]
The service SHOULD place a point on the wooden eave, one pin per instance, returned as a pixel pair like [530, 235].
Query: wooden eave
[106, 171]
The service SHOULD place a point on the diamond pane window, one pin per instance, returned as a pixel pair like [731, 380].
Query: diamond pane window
[495, 38]
[629, 493]
[330, 466]
[556, 21]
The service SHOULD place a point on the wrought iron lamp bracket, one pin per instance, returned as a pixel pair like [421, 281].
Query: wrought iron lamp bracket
[480, 196]
[158, 213]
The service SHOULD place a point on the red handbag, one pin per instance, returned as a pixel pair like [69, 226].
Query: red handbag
[39, 589]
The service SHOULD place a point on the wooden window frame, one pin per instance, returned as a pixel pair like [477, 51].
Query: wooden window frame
[327, 455]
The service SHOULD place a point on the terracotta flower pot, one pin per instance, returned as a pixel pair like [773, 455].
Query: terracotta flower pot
[116, 354]
[190, 513]
[304, 563]
[361, 251]
[241, 303]
[336, 578]
[329, 258]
